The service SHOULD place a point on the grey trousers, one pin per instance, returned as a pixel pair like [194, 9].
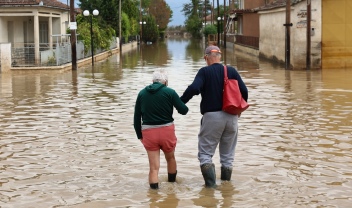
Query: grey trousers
[218, 128]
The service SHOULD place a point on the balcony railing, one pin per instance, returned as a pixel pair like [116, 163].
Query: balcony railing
[248, 41]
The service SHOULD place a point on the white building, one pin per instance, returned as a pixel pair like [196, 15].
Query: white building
[32, 25]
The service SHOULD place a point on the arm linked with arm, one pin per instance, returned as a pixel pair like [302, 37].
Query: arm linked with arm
[179, 104]
[194, 88]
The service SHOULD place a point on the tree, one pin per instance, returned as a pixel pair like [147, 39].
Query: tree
[162, 13]
[209, 29]
[194, 12]
[193, 26]
[108, 10]
[130, 8]
[102, 33]
[150, 30]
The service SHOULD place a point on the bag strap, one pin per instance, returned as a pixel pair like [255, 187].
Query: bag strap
[225, 73]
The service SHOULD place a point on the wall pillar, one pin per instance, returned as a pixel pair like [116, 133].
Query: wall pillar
[36, 38]
[5, 57]
[50, 32]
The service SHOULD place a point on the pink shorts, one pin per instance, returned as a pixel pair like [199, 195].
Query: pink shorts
[163, 138]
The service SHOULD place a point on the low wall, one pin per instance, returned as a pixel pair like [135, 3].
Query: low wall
[5, 57]
[98, 57]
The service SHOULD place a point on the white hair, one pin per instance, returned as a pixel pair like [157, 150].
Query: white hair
[160, 76]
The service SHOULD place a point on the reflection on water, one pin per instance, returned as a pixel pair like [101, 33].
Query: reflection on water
[67, 138]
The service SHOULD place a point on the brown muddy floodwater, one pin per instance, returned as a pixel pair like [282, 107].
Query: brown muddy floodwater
[67, 138]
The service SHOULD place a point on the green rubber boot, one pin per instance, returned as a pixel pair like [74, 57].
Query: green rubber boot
[226, 173]
[209, 175]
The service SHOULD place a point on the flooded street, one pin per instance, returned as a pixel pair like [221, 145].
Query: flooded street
[67, 138]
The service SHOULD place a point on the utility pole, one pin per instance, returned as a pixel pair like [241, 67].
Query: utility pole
[218, 26]
[205, 12]
[309, 18]
[225, 21]
[212, 14]
[140, 22]
[288, 35]
[73, 36]
[120, 41]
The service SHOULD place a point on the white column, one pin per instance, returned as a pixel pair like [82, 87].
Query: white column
[5, 57]
[36, 38]
[50, 32]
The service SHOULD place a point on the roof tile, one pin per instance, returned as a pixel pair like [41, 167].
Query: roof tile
[46, 3]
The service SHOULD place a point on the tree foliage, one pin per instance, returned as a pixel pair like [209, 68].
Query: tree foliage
[162, 13]
[155, 12]
[126, 26]
[196, 8]
[209, 29]
[150, 30]
[195, 13]
[194, 26]
[102, 33]
[107, 10]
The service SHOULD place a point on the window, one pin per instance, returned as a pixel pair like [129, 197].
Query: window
[43, 32]
[10, 37]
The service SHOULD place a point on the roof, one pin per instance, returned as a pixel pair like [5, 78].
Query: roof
[45, 3]
[277, 4]
[241, 11]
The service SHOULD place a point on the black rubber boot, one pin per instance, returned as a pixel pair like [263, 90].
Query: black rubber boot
[226, 173]
[209, 175]
[154, 185]
[172, 177]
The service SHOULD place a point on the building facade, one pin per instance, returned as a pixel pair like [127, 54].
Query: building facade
[32, 26]
[272, 18]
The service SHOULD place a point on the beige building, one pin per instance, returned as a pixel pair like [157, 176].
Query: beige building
[32, 26]
[272, 32]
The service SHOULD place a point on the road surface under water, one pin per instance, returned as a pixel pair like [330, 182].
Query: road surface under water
[67, 138]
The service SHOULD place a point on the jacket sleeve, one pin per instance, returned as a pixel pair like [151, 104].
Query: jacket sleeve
[179, 104]
[243, 88]
[137, 121]
[195, 88]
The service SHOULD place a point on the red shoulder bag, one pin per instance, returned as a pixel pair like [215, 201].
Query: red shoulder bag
[232, 101]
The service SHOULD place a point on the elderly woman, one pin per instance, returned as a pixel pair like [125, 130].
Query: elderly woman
[153, 123]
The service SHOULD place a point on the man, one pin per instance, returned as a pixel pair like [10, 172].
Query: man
[154, 106]
[217, 127]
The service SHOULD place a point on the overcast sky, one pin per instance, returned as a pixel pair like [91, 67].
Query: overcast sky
[175, 5]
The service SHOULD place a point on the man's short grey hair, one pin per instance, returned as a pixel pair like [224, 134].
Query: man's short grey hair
[160, 76]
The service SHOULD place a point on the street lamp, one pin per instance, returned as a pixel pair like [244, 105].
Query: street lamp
[142, 23]
[95, 13]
